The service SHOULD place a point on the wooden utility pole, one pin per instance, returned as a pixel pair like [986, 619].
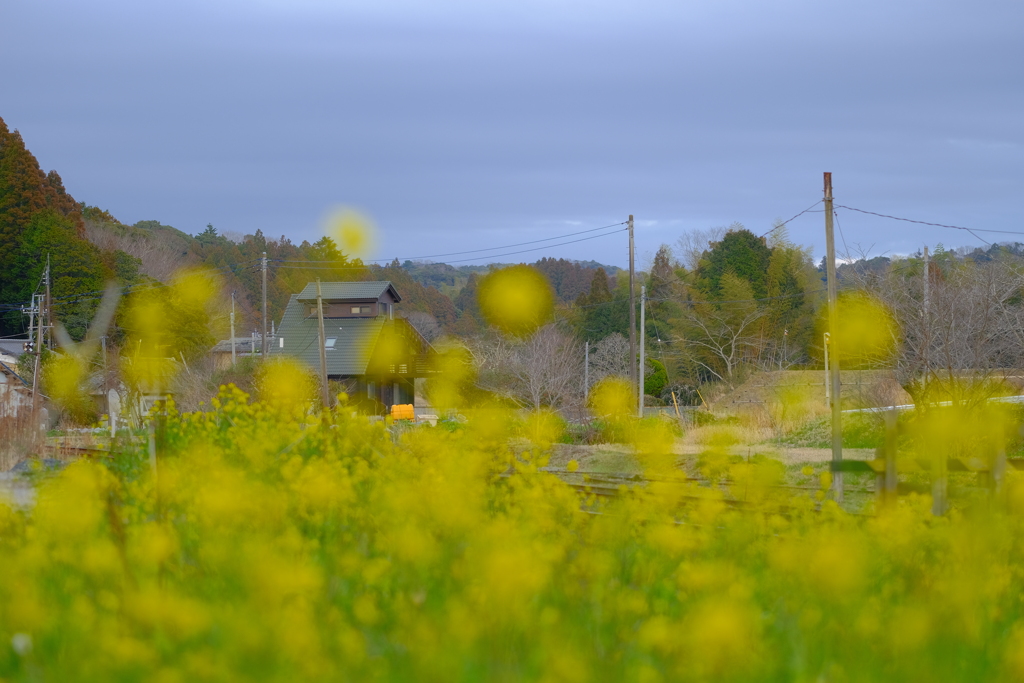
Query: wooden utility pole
[632, 309]
[833, 338]
[324, 393]
[263, 342]
[643, 346]
[232, 329]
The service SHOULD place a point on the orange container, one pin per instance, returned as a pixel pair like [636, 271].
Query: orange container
[403, 411]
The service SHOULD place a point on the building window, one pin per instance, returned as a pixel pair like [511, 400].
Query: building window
[403, 369]
[360, 309]
[329, 342]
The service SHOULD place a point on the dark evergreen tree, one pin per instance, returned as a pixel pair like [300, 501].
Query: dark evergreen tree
[741, 253]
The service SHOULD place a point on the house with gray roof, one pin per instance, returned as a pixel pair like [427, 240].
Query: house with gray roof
[374, 354]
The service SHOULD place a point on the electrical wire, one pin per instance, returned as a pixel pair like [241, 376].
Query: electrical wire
[505, 246]
[973, 231]
[783, 223]
[841, 235]
[706, 303]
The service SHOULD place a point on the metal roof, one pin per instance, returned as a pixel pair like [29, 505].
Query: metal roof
[13, 347]
[356, 339]
[333, 291]
[12, 372]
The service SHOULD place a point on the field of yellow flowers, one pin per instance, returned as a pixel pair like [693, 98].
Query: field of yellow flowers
[269, 545]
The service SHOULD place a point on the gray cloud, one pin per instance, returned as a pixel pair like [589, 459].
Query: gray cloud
[473, 124]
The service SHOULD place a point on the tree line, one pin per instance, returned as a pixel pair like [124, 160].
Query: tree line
[720, 304]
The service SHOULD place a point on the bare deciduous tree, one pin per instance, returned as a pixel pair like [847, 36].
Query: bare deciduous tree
[161, 255]
[691, 245]
[609, 357]
[970, 332]
[544, 370]
[721, 338]
[424, 323]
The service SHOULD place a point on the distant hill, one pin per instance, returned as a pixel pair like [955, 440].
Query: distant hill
[569, 278]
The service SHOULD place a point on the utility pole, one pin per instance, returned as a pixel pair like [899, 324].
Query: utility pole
[232, 329]
[833, 338]
[31, 323]
[632, 309]
[927, 318]
[828, 394]
[49, 313]
[586, 370]
[643, 346]
[324, 393]
[38, 300]
[263, 342]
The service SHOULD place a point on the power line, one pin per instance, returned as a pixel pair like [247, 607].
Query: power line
[510, 253]
[783, 223]
[973, 231]
[504, 246]
[707, 303]
[841, 235]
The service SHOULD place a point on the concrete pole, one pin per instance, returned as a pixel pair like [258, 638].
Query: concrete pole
[325, 395]
[586, 370]
[833, 324]
[263, 342]
[232, 329]
[632, 308]
[927, 319]
[643, 345]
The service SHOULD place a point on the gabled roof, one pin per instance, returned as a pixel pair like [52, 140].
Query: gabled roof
[333, 291]
[356, 339]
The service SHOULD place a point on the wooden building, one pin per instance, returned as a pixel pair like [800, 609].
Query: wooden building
[375, 355]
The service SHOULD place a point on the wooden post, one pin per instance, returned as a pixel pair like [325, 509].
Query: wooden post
[325, 395]
[940, 484]
[890, 481]
[632, 309]
[833, 324]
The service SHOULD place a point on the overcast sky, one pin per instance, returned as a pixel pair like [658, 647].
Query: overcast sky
[465, 125]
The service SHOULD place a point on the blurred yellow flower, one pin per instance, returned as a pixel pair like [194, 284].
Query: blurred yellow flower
[353, 232]
[517, 300]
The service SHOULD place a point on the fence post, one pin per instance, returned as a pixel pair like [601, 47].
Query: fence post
[891, 433]
[940, 483]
